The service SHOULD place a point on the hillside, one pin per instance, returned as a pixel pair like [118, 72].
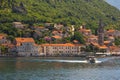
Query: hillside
[57, 11]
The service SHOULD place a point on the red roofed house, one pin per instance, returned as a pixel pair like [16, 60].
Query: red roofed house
[3, 39]
[84, 31]
[26, 47]
[113, 33]
[115, 50]
[57, 37]
[92, 39]
[40, 28]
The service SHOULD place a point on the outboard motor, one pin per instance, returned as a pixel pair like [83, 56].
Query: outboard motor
[91, 59]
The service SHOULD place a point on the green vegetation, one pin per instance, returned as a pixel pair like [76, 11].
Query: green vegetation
[79, 37]
[67, 12]
[117, 41]
[64, 11]
[4, 49]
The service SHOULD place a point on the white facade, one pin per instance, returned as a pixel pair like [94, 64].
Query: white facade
[61, 49]
[18, 25]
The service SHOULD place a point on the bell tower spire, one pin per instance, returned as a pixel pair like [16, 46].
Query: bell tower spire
[100, 33]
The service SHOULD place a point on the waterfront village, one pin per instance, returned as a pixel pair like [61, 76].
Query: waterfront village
[100, 44]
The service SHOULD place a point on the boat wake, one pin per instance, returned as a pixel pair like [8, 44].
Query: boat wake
[99, 60]
[70, 61]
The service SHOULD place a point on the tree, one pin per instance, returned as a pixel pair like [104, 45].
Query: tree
[4, 49]
[117, 41]
[66, 40]
[79, 37]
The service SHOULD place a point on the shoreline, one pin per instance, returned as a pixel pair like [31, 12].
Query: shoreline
[58, 56]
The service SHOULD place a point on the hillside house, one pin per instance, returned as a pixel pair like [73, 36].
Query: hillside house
[112, 32]
[3, 39]
[58, 26]
[40, 28]
[92, 39]
[18, 25]
[85, 32]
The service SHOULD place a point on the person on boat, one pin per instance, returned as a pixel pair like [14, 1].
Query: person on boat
[91, 59]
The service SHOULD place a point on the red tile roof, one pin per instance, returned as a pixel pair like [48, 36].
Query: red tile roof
[2, 35]
[23, 40]
[67, 44]
[106, 42]
[102, 47]
[85, 30]
[93, 36]
[57, 37]
[111, 30]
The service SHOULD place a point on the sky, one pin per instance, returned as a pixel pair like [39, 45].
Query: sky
[115, 3]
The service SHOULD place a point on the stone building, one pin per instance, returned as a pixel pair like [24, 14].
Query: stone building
[26, 47]
[112, 33]
[61, 49]
[4, 40]
[18, 25]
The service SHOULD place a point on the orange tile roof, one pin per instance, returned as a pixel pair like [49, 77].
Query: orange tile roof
[67, 44]
[106, 42]
[2, 35]
[85, 30]
[57, 37]
[75, 41]
[114, 48]
[111, 30]
[102, 47]
[95, 44]
[54, 32]
[11, 45]
[93, 36]
[23, 40]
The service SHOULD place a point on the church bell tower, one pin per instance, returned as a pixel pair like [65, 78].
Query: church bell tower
[101, 33]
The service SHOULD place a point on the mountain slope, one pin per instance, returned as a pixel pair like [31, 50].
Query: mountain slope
[64, 11]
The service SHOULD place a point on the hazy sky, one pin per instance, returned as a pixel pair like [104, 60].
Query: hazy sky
[115, 3]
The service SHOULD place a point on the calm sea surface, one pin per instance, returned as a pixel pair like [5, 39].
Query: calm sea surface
[54, 69]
